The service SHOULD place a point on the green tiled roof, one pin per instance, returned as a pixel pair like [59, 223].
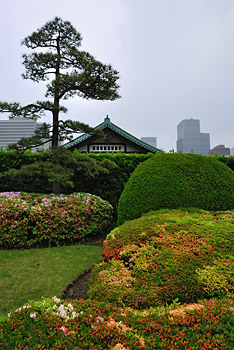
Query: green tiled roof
[107, 123]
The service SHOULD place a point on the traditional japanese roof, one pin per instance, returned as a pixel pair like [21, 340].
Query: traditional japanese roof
[108, 124]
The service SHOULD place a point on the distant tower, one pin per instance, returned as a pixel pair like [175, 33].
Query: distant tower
[150, 140]
[190, 139]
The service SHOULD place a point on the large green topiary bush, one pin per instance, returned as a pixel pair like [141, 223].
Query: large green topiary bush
[171, 180]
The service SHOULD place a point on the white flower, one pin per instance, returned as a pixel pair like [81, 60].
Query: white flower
[56, 300]
[33, 315]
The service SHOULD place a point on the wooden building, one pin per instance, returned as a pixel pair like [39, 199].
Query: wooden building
[115, 140]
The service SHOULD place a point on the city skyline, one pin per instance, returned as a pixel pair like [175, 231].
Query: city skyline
[189, 135]
[175, 61]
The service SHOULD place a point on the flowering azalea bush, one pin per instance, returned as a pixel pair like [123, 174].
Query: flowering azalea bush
[148, 293]
[86, 324]
[31, 220]
[167, 255]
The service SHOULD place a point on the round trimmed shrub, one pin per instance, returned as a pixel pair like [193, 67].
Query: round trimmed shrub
[172, 180]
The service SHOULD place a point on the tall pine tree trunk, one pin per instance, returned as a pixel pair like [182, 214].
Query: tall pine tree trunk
[55, 133]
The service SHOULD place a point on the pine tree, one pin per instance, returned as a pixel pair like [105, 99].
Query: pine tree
[70, 73]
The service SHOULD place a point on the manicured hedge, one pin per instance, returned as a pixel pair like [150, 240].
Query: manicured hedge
[107, 182]
[14, 160]
[172, 180]
[110, 186]
[167, 255]
[229, 161]
[32, 220]
[107, 185]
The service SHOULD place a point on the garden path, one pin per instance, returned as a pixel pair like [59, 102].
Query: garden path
[78, 289]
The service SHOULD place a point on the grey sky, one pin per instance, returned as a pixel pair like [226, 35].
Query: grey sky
[175, 58]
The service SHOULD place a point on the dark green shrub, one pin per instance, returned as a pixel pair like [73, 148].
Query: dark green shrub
[69, 170]
[104, 175]
[171, 180]
[110, 185]
[14, 160]
[229, 161]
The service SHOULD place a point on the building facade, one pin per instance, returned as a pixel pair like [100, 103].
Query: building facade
[220, 150]
[190, 139]
[114, 140]
[12, 130]
[150, 140]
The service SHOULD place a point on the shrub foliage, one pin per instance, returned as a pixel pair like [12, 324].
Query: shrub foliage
[147, 262]
[87, 172]
[86, 324]
[104, 175]
[167, 255]
[171, 180]
[30, 220]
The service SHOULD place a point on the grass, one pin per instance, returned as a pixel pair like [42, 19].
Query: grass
[30, 274]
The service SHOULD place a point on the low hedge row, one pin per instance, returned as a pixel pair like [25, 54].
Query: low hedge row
[32, 220]
[88, 324]
[107, 184]
[14, 160]
[104, 175]
[167, 255]
[127, 162]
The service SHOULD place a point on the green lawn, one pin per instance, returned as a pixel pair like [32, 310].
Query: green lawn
[29, 274]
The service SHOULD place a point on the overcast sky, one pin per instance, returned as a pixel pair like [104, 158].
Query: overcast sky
[175, 59]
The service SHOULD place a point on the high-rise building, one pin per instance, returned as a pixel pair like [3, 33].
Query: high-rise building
[190, 139]
[150, 140]
[232, 151]
[12, 130]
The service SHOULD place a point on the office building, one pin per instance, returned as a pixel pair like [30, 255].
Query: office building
[190, 139]
[150, 140]
[12, 130]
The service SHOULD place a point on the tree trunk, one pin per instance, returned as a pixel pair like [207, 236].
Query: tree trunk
[55, 135]
[55, 187]
[55, 132]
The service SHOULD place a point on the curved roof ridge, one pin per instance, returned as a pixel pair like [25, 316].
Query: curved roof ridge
[107, 123]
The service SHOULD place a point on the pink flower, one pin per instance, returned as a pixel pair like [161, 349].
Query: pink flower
[64, 330]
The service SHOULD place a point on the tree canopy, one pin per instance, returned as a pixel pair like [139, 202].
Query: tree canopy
[69, 72]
